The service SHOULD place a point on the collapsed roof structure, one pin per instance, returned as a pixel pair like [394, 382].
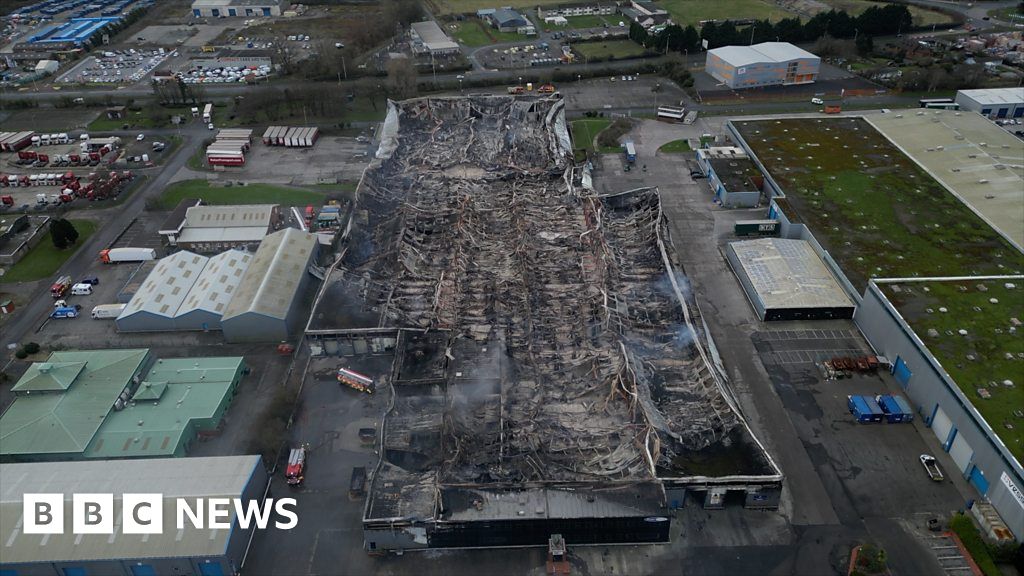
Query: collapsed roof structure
[551, 374]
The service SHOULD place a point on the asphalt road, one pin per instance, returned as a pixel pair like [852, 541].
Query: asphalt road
[113, 222]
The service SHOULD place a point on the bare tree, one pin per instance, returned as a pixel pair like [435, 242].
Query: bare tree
[402, 78]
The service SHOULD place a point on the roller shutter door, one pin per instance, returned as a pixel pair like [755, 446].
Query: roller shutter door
[941, 426]
[961, 452]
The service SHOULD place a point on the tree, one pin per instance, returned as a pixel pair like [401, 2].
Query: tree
[58, 233]
[865, 45]
[62, 233]
[401, 82]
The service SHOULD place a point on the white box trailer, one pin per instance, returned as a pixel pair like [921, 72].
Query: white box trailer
[107, 311]
[235, 133]
[268, 134]
[240, 142]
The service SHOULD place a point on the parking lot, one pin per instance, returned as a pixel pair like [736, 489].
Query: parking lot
[537, 54]
[125, 66]
[332, 158]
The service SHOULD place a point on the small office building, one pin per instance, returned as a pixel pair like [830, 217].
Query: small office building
[993, 102]
[734, 178]
[186, 551]
[786, 280]
[760, 65]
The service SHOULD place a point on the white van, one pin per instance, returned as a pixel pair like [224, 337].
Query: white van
[81, 289]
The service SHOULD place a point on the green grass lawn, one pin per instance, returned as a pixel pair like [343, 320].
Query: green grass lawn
[151, 116]
[584, 131]
[978, 359]
[675, 147]
[249, 194]
[524, 7]
[871, 207]
[609, 49]
[45, 259]
[474, 32]
[1008, 14]
[592, 21]
[685, 12]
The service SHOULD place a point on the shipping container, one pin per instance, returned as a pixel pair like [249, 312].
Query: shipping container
[864, 409]
[908, 412]
[757, 228]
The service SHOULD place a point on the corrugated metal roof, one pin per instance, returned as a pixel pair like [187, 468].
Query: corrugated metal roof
[788, 274]
[228, 216]
[167, 285]
[225, 476]
[273, 277]
[234, 234]
[184, 282]
[66, 422]
[764, 52]
[432, 36]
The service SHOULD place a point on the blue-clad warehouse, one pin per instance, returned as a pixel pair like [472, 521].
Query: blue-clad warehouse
[189, 551]
[76, 30]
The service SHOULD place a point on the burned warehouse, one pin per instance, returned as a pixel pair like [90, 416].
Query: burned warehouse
[552, 374]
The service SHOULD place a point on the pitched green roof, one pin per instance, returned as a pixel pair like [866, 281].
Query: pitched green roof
[193, 392]
[65, 422]
[49, 376]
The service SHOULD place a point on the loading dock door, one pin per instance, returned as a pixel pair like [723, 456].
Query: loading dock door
[941, 426]
[902, 372]
[961, 452]
[979, 480]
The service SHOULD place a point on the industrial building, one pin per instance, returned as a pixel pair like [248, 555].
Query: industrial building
[993, 102]
[76, 31]
[233, 8]
[570, 10]
[503, 285]
[955, 351]
[185, 291]
[760, 65]
[507, 20]
[732, 175]
[981, 163]
[115, 404]
[427, 37]
[786, 280]
[205, 552]
[267, 304]
[946, 319]
[207, 229]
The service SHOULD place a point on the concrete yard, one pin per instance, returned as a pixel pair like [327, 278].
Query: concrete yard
[333, 158]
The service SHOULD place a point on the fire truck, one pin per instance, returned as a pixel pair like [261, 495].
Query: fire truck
[61, 287]
[355, 380]
[296, 470]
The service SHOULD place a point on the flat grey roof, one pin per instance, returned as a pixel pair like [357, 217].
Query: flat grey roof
[224, 476]
[979, 162]
[788, 274]
[764, 52]
[995, 95]
[432, 36]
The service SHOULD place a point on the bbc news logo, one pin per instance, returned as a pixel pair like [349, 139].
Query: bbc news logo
[144, 513]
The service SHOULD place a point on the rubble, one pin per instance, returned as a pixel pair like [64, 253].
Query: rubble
[556, 335]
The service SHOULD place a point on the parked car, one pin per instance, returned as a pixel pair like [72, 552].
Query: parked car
[140, 137]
